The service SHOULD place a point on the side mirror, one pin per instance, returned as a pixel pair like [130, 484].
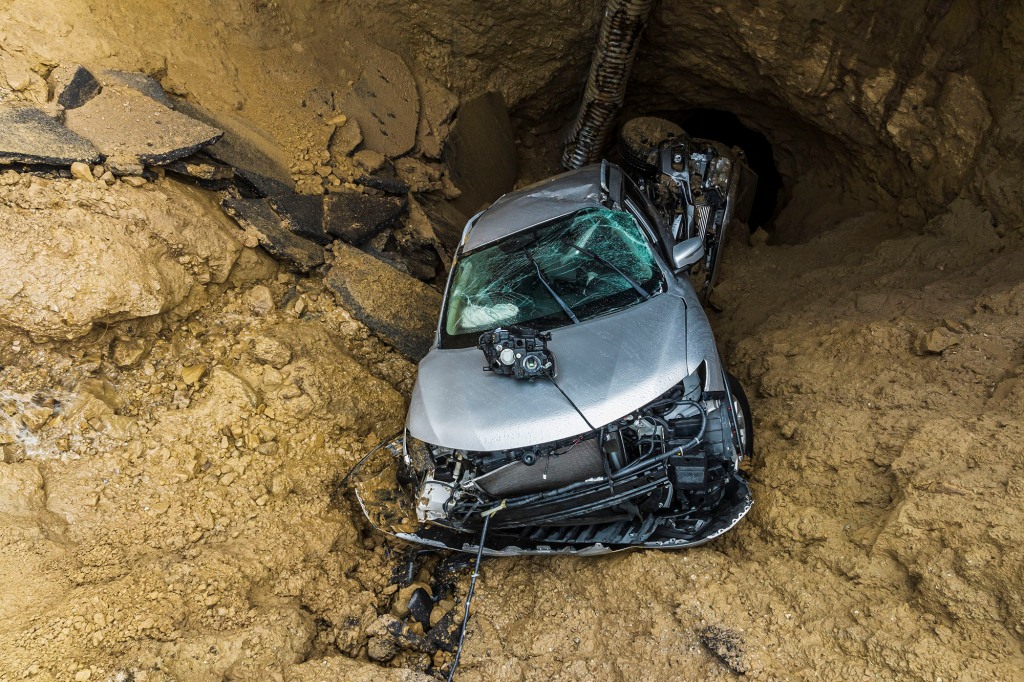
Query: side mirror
[687, 252]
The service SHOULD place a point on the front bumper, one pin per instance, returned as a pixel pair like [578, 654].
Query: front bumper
[552, 522]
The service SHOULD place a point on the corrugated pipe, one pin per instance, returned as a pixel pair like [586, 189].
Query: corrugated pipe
[617, 43]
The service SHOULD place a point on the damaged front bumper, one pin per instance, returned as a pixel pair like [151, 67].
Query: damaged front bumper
[582, 496]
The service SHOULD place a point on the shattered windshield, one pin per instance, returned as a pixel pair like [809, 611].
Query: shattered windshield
[576, 268]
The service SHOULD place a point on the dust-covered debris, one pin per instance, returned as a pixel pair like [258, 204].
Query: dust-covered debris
[258, 219]
[401, 309]
[132, 129]
[356, 217]
[28, 135]
[72, 85]
[385, 102]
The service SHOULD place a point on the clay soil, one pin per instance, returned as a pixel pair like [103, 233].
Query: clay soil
[170, 506]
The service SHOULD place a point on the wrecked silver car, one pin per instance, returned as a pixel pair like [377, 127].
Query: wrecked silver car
[574, 398]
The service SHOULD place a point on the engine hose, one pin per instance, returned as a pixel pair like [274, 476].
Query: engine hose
[617, 44]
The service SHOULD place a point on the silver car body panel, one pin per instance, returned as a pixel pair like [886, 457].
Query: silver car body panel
[533, 205]
[609, 366]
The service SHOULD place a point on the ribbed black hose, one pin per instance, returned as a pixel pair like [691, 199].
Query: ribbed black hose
[617, 44]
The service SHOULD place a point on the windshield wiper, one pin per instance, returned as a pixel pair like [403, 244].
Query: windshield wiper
[632, 282]
[544, 281]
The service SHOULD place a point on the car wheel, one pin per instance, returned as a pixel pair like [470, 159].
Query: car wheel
[639, 140]
[741, 407]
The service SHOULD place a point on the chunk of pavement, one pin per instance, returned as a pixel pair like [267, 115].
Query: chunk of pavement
[420, 606]
[479, 152]
[448, 223]
[344, 140]
[356, 217]
[201, 167]
[72, 85]
[139, 82]
[257, 160]
[384, 183]
[391, 628]
[397, 307]
[130, 128]
[257, 216]
[385, 102]
[27, 135]
[303, 214]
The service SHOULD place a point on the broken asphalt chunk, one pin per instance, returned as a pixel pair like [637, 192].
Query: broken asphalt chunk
[73, 85]
[28, 135]
[303, 214]
[131, 129]
[384, 184]
[259, 162]
[400, 309]
[356, 217]
[257, 216]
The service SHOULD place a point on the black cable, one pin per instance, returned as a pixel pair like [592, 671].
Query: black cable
[578, 411]
[469, 597]
[365, 457]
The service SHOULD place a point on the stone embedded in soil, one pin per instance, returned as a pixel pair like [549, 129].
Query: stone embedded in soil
[73, 85]
[417, 175]
[369, 160]
[271, 352]
[345, 138]
[936, 341]
[81, 171]
[356, 217]
[28, 135]
[35, 416]
[201, 167]
[127, 352]
[260, 301]
[385, 102]
[131, 129]
[401, 309]
[480, 152]
[275, 238]
[191, 374]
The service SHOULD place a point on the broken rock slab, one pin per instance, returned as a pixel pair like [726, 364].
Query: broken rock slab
[28, 135]
[385, 102]
[257, 217]
[303, 214]
[356, 217]
[139, 82]
[132, 129]
[400, 309]
[480, 153]
[257, 160]
[73, 85]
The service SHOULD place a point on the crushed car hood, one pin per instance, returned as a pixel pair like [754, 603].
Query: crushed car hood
[608, 366]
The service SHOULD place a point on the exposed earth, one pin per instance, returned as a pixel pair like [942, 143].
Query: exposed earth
[178, 409]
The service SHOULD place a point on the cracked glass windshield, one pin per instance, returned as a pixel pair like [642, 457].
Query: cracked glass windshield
[587, 264]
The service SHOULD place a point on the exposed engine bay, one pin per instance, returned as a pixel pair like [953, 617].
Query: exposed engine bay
[665, 476]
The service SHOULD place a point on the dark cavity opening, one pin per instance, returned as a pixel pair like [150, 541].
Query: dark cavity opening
[726, 127]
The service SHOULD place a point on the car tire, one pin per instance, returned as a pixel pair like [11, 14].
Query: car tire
[741, 406]
[639, 140]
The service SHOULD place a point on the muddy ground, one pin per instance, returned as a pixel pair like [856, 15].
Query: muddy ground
[170, 503]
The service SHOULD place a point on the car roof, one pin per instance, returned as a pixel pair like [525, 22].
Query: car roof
[540, 202]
